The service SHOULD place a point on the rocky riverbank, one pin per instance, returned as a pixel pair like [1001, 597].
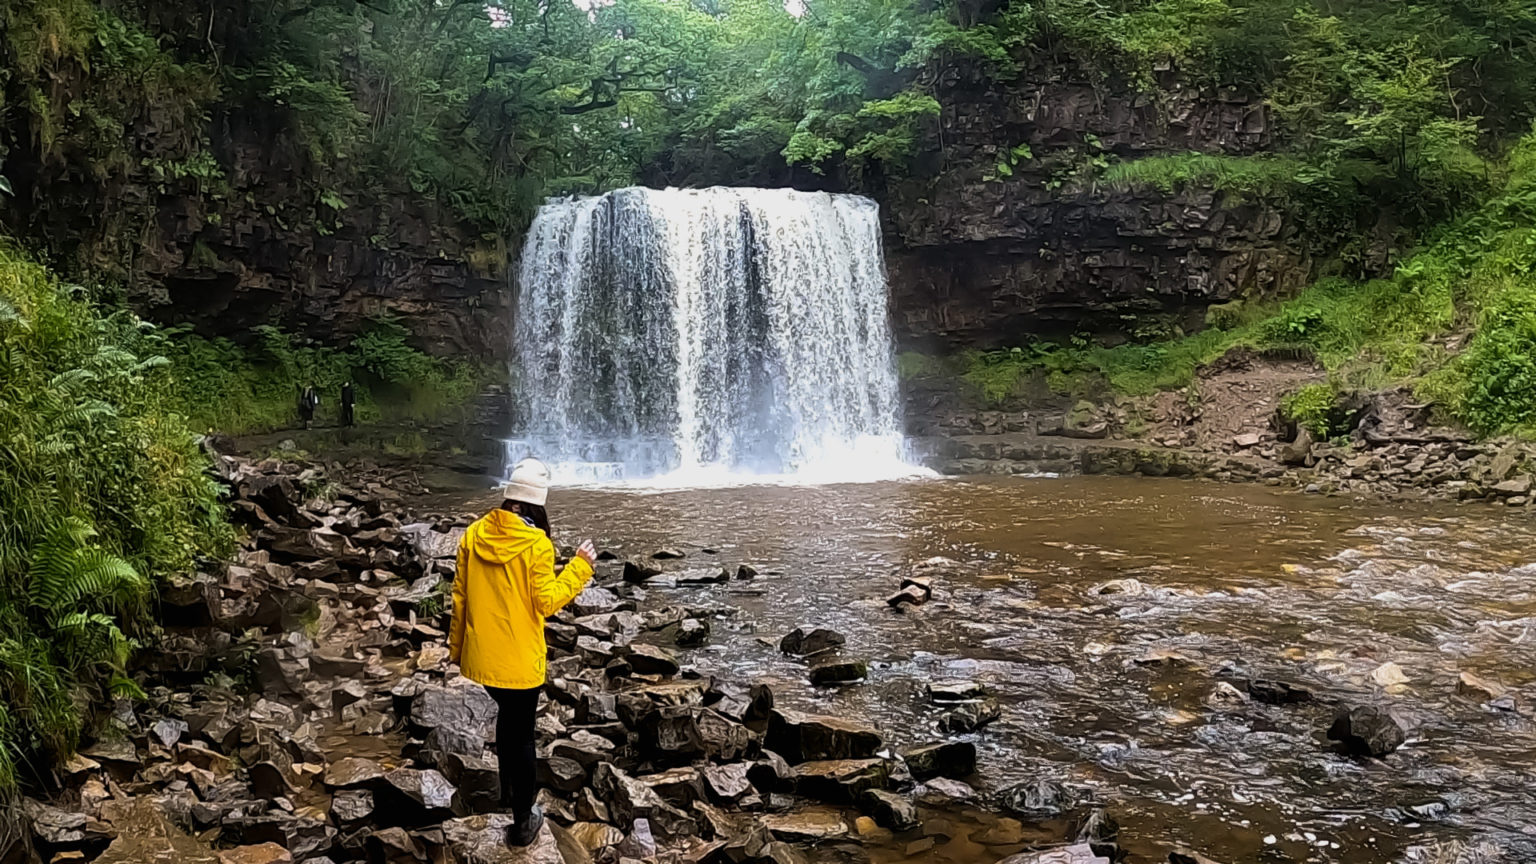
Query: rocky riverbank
[302, 708]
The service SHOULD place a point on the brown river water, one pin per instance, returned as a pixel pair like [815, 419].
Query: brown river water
[1240, 580]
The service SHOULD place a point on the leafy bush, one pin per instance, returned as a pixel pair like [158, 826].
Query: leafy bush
[103, 491]
[1312, 407]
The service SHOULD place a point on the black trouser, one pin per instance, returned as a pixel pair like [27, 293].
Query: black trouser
[515, 711]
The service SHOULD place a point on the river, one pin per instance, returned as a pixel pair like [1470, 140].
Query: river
[1238, 580]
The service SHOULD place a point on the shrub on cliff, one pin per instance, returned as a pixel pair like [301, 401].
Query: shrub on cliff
[102, 490]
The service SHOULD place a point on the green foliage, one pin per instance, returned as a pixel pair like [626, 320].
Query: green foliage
[1312, 407]
[254, 387]
[103, 490]
[1257, 175]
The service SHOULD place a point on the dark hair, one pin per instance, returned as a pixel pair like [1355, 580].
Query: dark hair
[532, 512]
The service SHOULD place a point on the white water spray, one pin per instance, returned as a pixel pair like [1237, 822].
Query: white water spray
[694, 337]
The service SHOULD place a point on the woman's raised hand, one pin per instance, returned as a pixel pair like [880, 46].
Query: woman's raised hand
[587, 552]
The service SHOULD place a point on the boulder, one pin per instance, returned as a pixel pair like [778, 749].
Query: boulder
[684, 733]
[483, 840]
[394, 846]
[680, 787]
[893, 811]
[416, 796]
[350, 806]
[596, 836]
[810, 825]
[955, 691]
[1276, 692]
[596, 600]
[302, 836]
[1038, 799]
[800, 737]
[745, 572]
[668, 554]
[841, 781]
[970, 716]
[702, 576]
[462, 705]
[264, 853]
[906, 597]
[562, 774]
[652, 660]
[639, 571]
[833, 671]
[629, 799]
[727, 784]
[1367, 730]
[477, 780]
[692, 632]
[747, 705]
[955, 759]
[353, 772]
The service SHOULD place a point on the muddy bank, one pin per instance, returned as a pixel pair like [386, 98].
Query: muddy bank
[1228, 426]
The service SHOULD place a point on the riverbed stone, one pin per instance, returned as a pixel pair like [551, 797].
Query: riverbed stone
[799, 641]
[461, 704]
[841, 781]
[1367, 730]
[890, 810]
[652, 660]
[727, 784]
[810, 825]
[629, 799]
[970, 716]
[801, 737]
[832, 671]
[1038, 798]
[353, 772]
[351, 805]
[1080, 853]
[955, 691]
[954, 759]
[483, 840]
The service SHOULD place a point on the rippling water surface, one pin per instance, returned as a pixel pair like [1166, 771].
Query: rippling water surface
[1239, 580]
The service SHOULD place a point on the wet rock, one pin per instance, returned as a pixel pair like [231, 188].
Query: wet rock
[1277, 692]
[652, 660]
[955, 691]
[417, 795]
[970, 716]
[351, 805]
[463, 705]
[268, 781]
[1037, 798]
[476, 779]
[562, 774]
[168, 731]
[1120, 587]
[747, 705]
[702, 576]
[955, 759]
[942, 790]
[329, 664]
[833, 671]
[771, 773]
[629, 799]
[1100, 831]
[584, 747]
[799, 642]
[745, 572]
[841, 781]
[727, 784]
[799, 737]
[907, 597]
[446, 740]
[683, 733]
[1367, 730]
[62, 828]
[394, 846]
[1080, 853]
[692, 632]
[639, 843]
[1186, 856]
[1476, 687]
[303, 837]
[596, 600]
[347, 693]
[680, 787]
[265, 853]
[667, 554]
[482, 840]
[353, 772]
[640, 571]
[811, 825]
[596, 836]
[893, 811]
[1225, 697]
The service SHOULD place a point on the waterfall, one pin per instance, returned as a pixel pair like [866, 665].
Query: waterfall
[705, 333]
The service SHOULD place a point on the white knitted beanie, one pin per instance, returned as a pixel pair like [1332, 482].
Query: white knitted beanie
[529, 482]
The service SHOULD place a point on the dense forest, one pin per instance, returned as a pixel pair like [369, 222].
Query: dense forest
[1399, 126]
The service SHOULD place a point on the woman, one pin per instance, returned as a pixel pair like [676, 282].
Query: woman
[503, 589]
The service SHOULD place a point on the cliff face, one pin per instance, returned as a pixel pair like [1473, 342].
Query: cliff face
[261, 244]
[979, 261]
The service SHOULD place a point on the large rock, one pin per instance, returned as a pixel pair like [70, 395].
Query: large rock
[483, 840]
[684, 733]
[893, 811]
[955, 759]
[629, 799]
[833, 671]
[810, 825]
[841, 781]
[970, 716]
[1367, 730]
[462, 705]
[798, 641]
[1038, 799]
[353, 772]
[800, 737]
[652, 660]
[412, 796]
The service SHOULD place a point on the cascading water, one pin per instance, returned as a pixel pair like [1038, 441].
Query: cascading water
[699, 334]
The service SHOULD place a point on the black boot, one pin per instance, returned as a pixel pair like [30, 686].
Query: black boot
[526, 830]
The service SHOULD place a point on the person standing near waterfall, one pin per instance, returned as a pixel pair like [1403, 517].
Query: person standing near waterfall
[504, 587]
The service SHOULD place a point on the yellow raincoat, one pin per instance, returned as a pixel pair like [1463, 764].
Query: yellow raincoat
[504, 588]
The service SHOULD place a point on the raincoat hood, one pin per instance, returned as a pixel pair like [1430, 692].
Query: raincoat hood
[501, 537]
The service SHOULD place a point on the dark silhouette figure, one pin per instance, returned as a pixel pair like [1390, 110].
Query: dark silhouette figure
[308, 400]
[348, 405]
